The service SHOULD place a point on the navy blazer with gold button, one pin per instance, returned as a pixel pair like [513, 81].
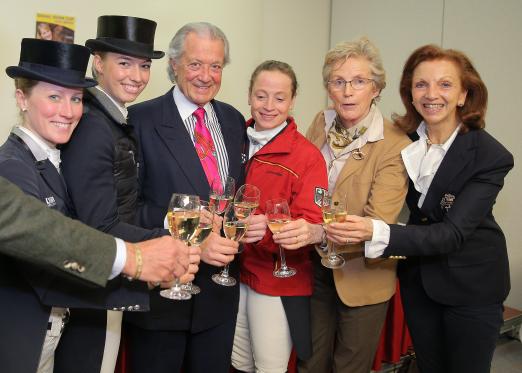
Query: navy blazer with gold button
[453, 239]
[27, 291]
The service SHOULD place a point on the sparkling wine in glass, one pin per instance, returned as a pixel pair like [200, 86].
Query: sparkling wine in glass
[246, 201]
[333, 211]
[234, 229]
[183, 219]
[221, 195]
[278, 214]
[206, 220]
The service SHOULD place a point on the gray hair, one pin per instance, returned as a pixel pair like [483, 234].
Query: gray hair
[177, 44]
[359, 48]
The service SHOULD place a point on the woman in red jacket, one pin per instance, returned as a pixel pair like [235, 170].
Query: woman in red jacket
[274, 312]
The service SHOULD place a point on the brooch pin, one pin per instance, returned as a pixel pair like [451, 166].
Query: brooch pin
[244, 158]
[447, 201]
[357, 154]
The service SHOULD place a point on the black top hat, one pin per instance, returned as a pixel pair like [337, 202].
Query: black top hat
[131, 36]
[53, 62]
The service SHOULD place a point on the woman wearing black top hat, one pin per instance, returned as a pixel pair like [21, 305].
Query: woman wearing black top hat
[49, 83]
[100, 168]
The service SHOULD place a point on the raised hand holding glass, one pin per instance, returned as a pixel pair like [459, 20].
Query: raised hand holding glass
[183, 218]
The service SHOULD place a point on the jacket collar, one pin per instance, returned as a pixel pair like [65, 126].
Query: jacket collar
[461, 152]
[279, 144]
[101, 100]
[47, 170]
[173, 133]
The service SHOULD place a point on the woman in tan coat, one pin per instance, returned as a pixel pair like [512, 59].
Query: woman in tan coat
[362, 153]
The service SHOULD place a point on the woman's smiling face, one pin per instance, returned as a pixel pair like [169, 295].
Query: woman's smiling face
[437, 92]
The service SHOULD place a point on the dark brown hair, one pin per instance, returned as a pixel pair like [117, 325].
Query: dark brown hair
[473, 112]
[272, 65]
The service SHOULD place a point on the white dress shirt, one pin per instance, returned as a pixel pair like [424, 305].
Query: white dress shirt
[422, 163]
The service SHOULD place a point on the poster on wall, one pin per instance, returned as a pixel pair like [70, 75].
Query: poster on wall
[55, 27]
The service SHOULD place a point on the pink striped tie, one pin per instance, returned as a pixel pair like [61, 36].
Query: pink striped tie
[205, 146]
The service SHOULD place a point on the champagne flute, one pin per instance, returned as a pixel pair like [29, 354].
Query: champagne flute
[278, 214]
[221, 195]
[246, 200]
[245, 203]
[333, 211]
[206, 221]
[234, 228]
[183, 219]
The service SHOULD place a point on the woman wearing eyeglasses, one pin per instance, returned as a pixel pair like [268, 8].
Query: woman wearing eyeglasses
[362, 154]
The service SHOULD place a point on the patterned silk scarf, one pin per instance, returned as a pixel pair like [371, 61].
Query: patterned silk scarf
[339, 137]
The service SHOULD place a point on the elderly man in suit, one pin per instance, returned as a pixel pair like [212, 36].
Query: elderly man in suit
[198, 332]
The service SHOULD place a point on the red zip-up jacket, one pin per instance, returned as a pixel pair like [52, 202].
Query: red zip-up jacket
[289, 167]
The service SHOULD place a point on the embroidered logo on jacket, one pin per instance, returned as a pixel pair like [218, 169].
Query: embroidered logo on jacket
[447, 201]
[50, 201]
[318, 196]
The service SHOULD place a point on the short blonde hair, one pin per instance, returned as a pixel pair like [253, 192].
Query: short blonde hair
[362, 47]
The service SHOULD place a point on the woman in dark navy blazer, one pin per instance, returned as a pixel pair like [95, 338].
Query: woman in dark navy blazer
[455, 275]
[49, 84]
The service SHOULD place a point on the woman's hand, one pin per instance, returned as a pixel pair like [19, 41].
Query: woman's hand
[257, 227]
[298, 233]
[355, 229]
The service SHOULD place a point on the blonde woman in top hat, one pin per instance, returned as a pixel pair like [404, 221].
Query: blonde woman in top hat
[100, 168]
[49, 83]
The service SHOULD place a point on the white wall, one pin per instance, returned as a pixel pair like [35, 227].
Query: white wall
[256, 29]
[489, 32]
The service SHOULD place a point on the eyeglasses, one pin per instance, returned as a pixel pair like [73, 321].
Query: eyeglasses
[197, 66]
[357, 83]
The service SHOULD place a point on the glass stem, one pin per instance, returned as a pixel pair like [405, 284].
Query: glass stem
[283, 259]
[177, 285]
[332, 250]
[224, 272]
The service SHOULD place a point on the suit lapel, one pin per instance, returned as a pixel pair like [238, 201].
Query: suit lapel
[54, 180]
[352, 165]
[173, 133]
[230, 137]
[459, 155]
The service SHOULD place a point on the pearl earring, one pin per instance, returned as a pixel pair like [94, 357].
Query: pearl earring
[24, 109]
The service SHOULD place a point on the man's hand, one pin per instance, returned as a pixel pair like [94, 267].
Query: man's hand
[163, 259]
[195, 257]
[217, 250]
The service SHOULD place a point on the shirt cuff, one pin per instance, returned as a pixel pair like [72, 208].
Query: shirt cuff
[120, 259]
[380, 239]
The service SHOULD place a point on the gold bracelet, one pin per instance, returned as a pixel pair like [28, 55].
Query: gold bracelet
[139, 261]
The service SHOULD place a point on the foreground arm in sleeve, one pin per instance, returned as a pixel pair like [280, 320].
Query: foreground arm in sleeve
[32, 232]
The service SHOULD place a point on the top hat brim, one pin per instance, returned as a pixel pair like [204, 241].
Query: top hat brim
[122, 46]
[61, 78]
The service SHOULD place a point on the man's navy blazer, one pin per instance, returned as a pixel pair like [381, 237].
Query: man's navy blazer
[169, 164]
